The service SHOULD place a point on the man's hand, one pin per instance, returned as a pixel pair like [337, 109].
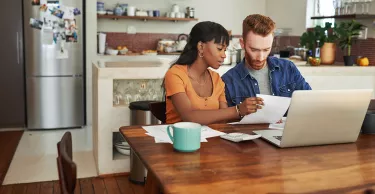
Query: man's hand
[251, 105]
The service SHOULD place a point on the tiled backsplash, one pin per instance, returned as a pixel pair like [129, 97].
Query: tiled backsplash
[137, 42]
[148, 41]
[127, 91]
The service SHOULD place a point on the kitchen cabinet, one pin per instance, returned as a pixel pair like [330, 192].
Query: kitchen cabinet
[12, 79]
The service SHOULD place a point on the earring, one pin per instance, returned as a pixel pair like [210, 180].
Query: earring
[200, 54]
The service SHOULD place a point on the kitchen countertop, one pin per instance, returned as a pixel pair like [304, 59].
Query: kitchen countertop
[155, 67]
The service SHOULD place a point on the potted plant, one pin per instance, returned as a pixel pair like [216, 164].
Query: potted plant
[328, 50]
[346, 32]
[310, 39]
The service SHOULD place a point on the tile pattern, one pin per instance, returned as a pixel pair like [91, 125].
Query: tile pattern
[138, 90]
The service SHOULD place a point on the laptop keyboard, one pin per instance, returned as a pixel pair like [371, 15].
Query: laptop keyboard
[278, 137]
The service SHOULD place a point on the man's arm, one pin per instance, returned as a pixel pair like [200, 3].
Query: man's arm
[300, 81]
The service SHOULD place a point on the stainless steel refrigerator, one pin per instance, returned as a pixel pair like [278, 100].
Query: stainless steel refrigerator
[55, 80]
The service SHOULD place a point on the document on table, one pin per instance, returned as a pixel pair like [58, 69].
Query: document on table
[159, 132]
[273, 110]
[279, 126]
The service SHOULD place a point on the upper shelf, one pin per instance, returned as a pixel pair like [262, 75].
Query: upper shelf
[350, 16]
[145, 18]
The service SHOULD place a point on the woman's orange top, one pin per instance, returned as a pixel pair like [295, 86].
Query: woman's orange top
[177, 81]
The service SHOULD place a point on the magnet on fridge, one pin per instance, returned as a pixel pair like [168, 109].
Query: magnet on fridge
[76, 11]
[52, 1]
[57, 12]
[35, 23]
[35, 2]
[43, 8]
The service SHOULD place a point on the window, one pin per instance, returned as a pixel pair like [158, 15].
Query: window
[319, 8]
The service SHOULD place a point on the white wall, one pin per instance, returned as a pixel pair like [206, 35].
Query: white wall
[288, 14]
[228, 13]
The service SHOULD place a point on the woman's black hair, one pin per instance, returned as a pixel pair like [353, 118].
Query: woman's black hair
[202, 32]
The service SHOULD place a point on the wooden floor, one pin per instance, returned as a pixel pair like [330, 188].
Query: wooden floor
[108, 185]
[8, 144]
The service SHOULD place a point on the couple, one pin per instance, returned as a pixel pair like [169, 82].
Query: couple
[197, 94]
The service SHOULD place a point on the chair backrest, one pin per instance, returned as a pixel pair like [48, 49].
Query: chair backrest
[66, 167]
[158, 109]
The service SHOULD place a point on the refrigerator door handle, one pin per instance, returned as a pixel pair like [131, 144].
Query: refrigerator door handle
[18, 49]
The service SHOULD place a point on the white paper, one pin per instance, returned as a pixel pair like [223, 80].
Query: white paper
[273, 110]
[68, 12]
[47, 36]
[279, 126]
[159, 132]
[62, 52]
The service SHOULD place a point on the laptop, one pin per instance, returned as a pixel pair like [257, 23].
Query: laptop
[319, 117]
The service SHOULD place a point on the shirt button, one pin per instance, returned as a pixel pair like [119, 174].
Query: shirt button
[288, 90]
[256, 84]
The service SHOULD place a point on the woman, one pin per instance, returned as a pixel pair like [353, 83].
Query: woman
[195, 93]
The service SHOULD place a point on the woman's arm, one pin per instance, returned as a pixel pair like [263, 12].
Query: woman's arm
[183, 106]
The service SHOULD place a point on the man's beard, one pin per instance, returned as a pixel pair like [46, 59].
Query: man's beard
[253, 63]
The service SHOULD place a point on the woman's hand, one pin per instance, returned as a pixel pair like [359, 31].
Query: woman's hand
[250, 105]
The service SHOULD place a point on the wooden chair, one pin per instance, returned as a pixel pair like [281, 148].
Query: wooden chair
[66, 167]
[158, 109]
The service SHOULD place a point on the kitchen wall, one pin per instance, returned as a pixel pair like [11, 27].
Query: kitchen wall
[228, 13]
[288, 14]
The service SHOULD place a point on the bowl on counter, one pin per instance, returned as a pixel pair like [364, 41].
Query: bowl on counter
[111, 51]
[123, 51]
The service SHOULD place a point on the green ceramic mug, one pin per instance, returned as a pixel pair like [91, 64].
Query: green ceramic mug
[186, 136]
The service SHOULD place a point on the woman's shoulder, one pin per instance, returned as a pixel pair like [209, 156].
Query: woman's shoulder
[178, 69]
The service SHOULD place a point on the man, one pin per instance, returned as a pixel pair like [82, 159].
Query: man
[259, 73]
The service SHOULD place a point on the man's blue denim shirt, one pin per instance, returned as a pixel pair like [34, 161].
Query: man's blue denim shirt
[284, 79]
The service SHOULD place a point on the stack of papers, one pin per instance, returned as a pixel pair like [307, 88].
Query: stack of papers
[159, 132]
[273, 110]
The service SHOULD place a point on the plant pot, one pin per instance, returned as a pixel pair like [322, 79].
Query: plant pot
[349, 60]
[328, 53]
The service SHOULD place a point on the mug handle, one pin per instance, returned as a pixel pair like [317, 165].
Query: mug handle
[169, 133]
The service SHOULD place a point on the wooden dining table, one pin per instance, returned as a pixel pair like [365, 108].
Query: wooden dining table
[255, 166]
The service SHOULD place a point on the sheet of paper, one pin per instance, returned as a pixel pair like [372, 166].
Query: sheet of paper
[68, 12]
[279, 126]
[159, 132]
[273, 110]
[62, 54]
[208, 132]
[47, 36]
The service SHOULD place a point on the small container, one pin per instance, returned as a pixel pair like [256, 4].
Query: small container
[190, 12]
[150, 13]
[156, 13]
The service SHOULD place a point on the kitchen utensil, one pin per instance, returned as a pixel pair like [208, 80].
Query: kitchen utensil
[190, 12]
[182, 41]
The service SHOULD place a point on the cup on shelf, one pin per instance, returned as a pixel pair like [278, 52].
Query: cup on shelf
[173, 14]
[156, 13]
[131, 11]
[150, 13]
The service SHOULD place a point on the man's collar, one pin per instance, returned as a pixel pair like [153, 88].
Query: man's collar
[243, 71]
